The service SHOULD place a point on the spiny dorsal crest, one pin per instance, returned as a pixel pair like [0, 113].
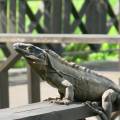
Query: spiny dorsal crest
[71, 64]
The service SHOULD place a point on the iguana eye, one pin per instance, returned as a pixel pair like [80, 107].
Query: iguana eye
[28, 48]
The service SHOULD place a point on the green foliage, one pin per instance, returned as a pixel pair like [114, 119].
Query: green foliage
[77, 47]
[20, 64]
[2, 56]
[107, 52]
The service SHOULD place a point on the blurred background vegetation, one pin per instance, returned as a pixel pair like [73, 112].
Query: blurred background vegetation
[106, 51]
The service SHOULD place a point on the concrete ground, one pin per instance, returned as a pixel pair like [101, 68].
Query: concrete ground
[18, 88]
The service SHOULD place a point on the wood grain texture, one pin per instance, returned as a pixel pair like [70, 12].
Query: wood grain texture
[58, 38]
[47, 111]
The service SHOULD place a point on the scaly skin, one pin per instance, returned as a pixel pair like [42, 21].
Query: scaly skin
[74, 82]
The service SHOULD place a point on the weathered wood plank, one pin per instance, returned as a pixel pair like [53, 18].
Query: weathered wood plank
[56, 16]
[47, 111]
[66, 15]
[58, 38]
[47, 8]
[22, 12]
[96, 16]
[3, 18]
[12, 17]
[4, 97]
[4, 94]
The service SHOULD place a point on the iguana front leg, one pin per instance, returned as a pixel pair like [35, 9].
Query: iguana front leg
[69, 93]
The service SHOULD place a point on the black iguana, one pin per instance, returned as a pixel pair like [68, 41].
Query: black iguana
[74, 82]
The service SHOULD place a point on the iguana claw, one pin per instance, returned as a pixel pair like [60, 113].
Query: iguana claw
[52, 100]
[63, 102]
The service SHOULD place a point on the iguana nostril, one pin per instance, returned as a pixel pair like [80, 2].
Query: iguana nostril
[15, 45]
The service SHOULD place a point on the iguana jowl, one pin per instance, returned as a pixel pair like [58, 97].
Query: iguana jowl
[74, 82]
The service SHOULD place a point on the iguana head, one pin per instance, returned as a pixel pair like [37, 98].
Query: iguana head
[32, 53]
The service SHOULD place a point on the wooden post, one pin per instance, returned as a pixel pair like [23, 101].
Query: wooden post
[66, 15]
[56, 16]
[3, 19]
[33, 86]
[12, 17]
[4, 95]
[21, 20]
[96, 17]
[47, 9]
[3, 24]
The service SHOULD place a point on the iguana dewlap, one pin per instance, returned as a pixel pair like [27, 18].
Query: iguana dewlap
[74, 82]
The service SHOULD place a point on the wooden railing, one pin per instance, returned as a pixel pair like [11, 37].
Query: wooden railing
[48, 111]
[58, 38]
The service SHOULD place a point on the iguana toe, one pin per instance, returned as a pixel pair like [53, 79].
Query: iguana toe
[51, 100]
[63, 102]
